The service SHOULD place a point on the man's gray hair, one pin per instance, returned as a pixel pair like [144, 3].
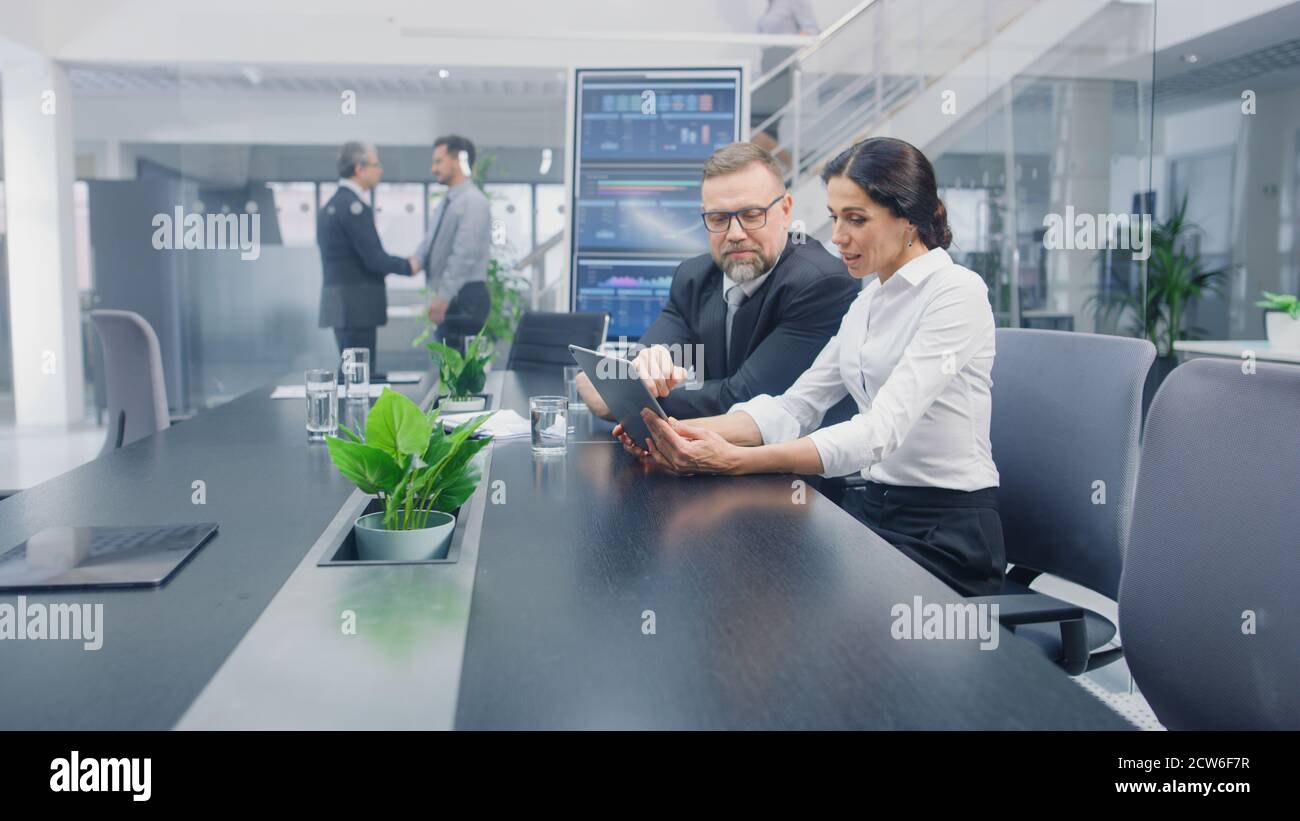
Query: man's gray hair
[737, 156]
[352, 153]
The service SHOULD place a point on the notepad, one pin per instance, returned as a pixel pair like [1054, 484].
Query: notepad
[300, 391]
[503, 424]
[403, 377]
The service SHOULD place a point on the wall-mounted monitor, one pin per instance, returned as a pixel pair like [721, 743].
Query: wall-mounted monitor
[640, 141]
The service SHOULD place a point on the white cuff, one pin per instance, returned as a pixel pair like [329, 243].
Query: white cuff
[775, 423]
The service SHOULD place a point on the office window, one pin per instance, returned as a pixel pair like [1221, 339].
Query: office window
[1206, 179]
[399, 216]
[968, 217]
[512, 219]
[295, 210]
[81, 233]
[552, 219]
[325, 191]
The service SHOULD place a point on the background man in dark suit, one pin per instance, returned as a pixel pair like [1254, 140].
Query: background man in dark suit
[761, 303]
[352, 299]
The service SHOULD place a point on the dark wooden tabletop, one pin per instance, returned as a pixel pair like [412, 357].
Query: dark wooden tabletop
[770, 610]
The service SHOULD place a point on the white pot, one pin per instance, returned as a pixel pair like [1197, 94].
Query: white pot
[375, 544]
[473, 403]
[1283, 331]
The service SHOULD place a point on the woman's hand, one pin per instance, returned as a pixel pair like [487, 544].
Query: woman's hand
[688, 449]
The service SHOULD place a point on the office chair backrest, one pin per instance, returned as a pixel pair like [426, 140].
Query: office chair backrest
[133, 373]
[1067, 417]
[1209, 605]
[543, 339]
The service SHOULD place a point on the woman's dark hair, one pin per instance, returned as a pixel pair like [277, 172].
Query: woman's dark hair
[898, 176]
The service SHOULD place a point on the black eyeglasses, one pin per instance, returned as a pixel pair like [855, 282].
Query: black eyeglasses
[719, 222]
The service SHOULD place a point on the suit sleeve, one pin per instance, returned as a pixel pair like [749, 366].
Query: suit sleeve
[807, 323]
[364, 238]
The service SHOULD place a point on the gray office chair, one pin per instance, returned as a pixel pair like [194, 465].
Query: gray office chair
[133, 373]
[543, 339]
[1067, 414]
[1210, 598]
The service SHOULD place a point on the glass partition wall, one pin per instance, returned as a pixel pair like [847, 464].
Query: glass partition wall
[1037, 117]
[257, 150]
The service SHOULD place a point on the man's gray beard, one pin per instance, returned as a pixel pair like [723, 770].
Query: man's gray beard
[741, 271]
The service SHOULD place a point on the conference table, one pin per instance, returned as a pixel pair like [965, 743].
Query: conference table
[584, 591]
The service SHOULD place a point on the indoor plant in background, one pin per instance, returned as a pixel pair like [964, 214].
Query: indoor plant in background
[420, 473]
[461, 377]
[1282, 320]
[1175, 279]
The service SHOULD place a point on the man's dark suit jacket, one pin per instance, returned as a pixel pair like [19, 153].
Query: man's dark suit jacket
[776, 333]
[354, 264]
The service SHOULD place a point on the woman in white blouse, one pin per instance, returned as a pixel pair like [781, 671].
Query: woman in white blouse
[915, 351]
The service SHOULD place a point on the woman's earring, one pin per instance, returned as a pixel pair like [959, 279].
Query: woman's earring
[909, 242]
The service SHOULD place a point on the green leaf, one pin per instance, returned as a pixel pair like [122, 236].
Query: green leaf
[369, 468]
[455, 493]
[397, 426]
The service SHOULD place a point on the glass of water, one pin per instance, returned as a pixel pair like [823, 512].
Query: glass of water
[550, 418]
[356, 373]
[576, 405]
[322, 404]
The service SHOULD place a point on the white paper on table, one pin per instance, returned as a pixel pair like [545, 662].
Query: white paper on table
[503, 424]
[300, 391]
[404, 377]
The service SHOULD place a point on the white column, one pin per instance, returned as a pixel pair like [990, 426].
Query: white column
[43, 306]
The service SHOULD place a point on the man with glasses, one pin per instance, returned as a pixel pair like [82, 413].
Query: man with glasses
[353, 301]
[761, 304]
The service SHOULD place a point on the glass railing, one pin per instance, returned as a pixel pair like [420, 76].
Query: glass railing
[1035, 114]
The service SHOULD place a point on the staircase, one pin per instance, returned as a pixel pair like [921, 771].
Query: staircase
[911, 69]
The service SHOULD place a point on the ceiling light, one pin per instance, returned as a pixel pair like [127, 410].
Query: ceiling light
[1191, 58]
[546, 162]
[443, 73]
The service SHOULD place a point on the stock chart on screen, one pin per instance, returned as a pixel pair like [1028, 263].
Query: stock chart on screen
[641, 140]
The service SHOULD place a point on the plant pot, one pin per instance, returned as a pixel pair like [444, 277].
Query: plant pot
[1283, 331]
[375, 544]
[462, 405]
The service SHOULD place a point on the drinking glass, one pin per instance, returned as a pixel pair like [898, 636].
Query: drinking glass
[356, 373]
[322, 404]
[550, 423]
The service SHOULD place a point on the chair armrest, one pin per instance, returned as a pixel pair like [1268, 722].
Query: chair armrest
[1037, 608]
[1030, 608]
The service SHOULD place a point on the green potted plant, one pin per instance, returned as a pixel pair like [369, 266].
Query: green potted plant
[420, 473]
[1175, 279]
[461, 377]
[1282, 322]
[507, 292]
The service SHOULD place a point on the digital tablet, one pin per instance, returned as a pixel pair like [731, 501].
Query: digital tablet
[622, 390]
[64, 557]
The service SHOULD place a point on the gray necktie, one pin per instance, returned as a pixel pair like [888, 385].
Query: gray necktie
[734, 296]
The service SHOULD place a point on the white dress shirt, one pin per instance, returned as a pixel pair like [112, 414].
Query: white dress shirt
[916, 354]
[351, 185]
